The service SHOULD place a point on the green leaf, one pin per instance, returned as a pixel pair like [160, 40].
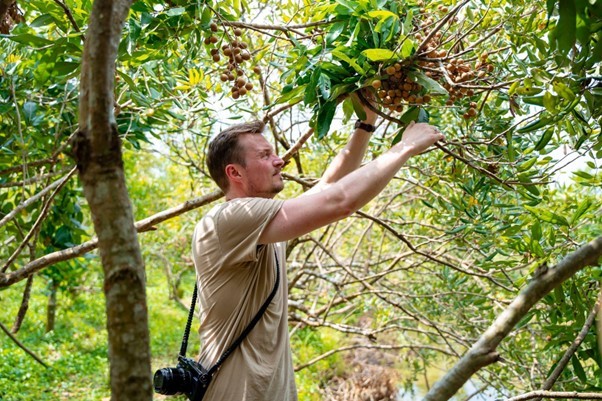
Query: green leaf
[311, 94]
[293, 96]
[528, 164]
[173, 12]
[581, 209]
[342, 56]
[358, 107]
[429, 84]
[30, 40]
[545, 138]
[579, 369]
[536, 231]
[536, 124]
[566, 27]
[382, 14]
[65, 68]
[335, 31]
[547, 216]
[378, 54]
[549, 102]
[324, 119]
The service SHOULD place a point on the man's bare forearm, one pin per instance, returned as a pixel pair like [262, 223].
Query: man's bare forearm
[350, 157]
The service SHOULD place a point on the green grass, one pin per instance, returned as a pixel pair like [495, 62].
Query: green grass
[76, 351]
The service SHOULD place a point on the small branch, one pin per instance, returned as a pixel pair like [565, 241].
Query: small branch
[367, 346]
[16, 169]
[34, 198]
[23, 347]
[589, 322]
[38, 221]
[439, 25]
[295, 148]
[69, 14]
[31, 180]
[483, 353]
[144, 225]
[573, 395]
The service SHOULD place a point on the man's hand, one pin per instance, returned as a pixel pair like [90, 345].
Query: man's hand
[418, 137]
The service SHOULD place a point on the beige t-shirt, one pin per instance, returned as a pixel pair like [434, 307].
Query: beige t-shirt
[235, 277]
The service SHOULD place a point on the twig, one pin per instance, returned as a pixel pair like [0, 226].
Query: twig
[69, 14]
[547, 385]
[574, 395]
[38, 221]
[81, 249]
[23, 347]
[33, 199]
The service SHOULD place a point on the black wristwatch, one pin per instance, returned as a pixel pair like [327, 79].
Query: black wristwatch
[365, 126]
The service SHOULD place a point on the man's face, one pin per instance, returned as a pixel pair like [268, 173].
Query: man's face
[262, 171]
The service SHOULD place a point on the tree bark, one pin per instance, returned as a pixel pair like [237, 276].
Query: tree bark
[97, 150]
[483, 352]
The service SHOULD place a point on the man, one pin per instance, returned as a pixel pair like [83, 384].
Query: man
[238, 245]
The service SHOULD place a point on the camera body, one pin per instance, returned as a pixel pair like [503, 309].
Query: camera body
[188, 377]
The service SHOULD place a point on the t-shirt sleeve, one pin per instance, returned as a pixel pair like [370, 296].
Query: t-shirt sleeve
[239, 225]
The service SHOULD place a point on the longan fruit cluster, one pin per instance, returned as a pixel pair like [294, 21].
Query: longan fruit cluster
[236, 52]
[457, 70]
[396, 88]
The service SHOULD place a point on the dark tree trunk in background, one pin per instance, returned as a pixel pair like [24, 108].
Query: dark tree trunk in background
[51, 307]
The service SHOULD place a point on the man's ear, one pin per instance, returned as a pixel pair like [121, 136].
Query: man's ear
[233, 172]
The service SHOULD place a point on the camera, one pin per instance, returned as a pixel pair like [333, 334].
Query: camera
[188, 377]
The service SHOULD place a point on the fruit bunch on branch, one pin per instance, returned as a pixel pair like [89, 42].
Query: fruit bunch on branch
[413, 57]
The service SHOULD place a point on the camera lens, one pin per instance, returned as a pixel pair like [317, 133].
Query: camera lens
[171, 381]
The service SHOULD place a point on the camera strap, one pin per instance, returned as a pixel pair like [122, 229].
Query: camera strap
[245, 332]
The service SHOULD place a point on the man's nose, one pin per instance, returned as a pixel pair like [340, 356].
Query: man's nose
[278, 161]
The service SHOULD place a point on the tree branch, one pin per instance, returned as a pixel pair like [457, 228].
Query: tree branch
[574, 346]
[573, 395]
[483, 352]
[147, 224]
[23, 347]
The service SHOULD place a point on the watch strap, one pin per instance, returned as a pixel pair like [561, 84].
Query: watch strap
[365, 126]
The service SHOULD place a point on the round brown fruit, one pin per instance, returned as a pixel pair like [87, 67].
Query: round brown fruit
[237, 31]
[223, 77]
[256, 69]
[390, 70]
[212, 39]
[213, 27]
[377, 83]
[216, 58]
[248, 86]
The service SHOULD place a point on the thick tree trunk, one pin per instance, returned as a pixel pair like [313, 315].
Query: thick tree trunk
[97, 149]
[483, 352]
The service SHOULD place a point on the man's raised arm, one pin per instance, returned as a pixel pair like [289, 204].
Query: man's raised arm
[340, 199]
[350, 158]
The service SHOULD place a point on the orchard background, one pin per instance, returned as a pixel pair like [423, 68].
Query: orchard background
[475, 275]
